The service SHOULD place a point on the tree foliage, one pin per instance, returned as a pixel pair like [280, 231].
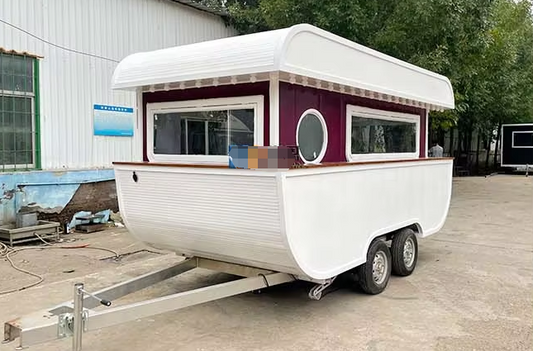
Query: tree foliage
[485, 47]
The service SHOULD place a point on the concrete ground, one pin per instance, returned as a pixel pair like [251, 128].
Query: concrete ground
[472, 290]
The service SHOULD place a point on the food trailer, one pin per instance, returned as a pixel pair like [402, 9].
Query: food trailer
[360, 196]
[517, 146]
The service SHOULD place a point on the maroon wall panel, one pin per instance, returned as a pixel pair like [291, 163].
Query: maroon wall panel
[260, 88]
[296, 99]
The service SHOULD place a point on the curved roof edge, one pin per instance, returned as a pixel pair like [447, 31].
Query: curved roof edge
[302, 50]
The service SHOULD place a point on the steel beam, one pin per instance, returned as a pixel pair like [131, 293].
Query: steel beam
[109, 317]
[230, 268]
[138, 283]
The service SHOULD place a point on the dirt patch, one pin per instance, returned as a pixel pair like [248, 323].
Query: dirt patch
[76, 255]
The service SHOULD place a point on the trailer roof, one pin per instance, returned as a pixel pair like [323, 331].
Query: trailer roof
[302, 54]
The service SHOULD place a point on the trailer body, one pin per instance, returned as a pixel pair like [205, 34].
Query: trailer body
[516, 146]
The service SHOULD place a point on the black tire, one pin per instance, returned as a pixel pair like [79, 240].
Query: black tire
[399, 265]
[365, 271]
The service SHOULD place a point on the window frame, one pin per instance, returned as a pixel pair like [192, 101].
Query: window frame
[520, 132]
[371, 113]
[255, 102]
[324, 125]
[35, 125]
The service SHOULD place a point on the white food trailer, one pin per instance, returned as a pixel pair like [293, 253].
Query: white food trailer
[362, 195]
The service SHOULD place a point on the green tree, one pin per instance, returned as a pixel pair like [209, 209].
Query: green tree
[507, 70]
[485, 47]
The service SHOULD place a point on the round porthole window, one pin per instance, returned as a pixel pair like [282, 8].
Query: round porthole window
[312, 136]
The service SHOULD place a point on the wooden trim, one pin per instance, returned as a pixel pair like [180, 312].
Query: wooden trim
[322, 165]
[162, 164]
[362, 163]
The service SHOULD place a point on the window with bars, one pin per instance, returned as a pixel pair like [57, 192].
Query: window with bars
[18, 106]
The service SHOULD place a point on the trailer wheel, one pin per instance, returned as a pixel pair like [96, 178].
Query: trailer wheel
[404, 250]
[375, 273]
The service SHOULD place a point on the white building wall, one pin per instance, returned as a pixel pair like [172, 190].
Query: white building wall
[71, 82]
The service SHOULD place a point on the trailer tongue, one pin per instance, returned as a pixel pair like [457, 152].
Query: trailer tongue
[73, 318]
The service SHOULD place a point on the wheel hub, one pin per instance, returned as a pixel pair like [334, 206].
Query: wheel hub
[379, 268]
[409, 252]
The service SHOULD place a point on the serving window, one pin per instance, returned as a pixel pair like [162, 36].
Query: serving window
[202, 130]
[522, 139]
[373, 134]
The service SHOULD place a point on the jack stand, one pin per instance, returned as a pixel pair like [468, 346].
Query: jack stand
[316, 292]
[77, 329]
[74, 324]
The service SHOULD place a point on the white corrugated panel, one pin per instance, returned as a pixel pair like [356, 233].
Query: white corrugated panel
[72, 82]
[223, 214]
[302, 50]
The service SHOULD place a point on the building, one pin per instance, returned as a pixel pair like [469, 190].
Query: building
[57, 59]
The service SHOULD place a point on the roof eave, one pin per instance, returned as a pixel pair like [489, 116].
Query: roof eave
[201, 7]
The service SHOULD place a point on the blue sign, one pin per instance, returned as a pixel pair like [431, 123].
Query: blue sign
[113, 120]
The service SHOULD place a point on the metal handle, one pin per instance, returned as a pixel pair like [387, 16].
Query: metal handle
[102, 301]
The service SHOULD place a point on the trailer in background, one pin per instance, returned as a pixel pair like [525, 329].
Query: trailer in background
[517, 146]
